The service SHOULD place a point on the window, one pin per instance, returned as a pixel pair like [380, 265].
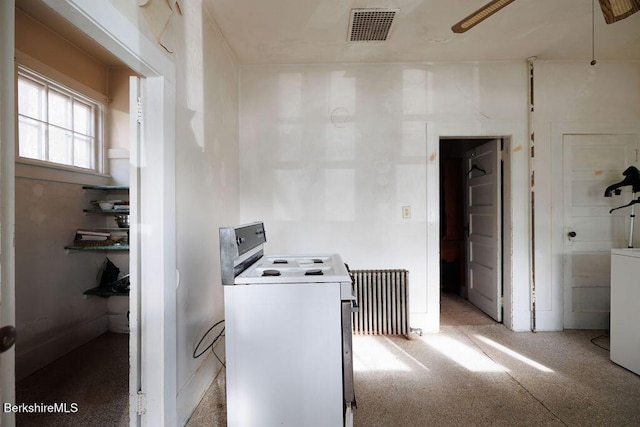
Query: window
[56, 124]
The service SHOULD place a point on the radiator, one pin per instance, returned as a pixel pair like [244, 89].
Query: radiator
[383, 302]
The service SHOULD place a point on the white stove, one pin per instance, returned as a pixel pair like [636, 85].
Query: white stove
[287, 334]
[324, 268]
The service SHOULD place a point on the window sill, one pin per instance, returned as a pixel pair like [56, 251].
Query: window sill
[48, 172]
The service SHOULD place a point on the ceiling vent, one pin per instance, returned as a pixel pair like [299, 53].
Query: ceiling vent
[371, 25]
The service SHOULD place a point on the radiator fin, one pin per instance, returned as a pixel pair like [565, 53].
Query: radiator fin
[383, 301]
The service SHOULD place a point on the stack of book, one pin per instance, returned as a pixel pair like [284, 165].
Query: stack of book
[92, 238]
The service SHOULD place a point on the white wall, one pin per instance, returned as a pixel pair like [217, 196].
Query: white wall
[577, 98]
[207, 190]
[331, 153]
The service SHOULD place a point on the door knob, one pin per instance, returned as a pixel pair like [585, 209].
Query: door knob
[7, 338]
[571, 234]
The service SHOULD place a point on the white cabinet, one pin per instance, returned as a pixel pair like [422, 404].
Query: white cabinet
[625, 308]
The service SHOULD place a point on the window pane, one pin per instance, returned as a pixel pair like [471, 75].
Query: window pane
[60, 141]
[59, 109]
[31, 135]
[31, 99]
[56, 124]
[82, 156]
[82, 118]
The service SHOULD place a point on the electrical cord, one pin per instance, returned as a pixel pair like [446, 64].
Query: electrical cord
[210, 346]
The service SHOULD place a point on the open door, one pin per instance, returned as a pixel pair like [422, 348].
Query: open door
[135, 309]
[7, 206]
[483, 221]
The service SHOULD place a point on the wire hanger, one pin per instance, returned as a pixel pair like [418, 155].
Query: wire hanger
[476, 167]
[633, 202]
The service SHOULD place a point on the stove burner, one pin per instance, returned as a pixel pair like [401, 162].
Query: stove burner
[280, 261]
[318, 261]
[270, 273]
[317, 272]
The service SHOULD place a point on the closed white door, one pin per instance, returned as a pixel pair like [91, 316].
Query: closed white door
[591, 163]
[483, 215]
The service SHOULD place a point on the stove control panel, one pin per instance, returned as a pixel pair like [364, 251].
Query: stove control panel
[240, 247]
[249, 237]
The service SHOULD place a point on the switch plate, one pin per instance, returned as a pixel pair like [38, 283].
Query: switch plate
[406, 212]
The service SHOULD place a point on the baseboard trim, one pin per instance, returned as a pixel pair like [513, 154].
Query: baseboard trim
[191, 394]
[41, 355]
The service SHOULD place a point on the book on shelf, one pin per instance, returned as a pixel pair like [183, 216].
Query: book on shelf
[91, 235]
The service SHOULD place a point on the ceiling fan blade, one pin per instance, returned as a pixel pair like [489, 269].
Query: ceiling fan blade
[480, 15]
[616, 10]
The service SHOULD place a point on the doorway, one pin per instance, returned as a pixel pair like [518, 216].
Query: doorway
[152, 344]
[471, 212]
[152, 201]
[58, 316]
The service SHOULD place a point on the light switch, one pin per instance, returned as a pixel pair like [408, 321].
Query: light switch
[406, 212]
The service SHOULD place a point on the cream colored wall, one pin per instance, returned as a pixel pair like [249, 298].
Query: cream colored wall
[118, 108]
[42, 44]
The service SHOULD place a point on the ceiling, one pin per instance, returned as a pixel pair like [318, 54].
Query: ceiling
[315, 31]
[40, 12]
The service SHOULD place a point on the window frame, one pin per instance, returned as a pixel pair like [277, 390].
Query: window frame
[66, 87]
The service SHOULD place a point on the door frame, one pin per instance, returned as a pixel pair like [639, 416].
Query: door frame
[516, 205]
[103, 22]
[464, 205]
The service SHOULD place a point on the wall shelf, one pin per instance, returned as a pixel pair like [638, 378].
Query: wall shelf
[104, 292]
[97, 248]
[107, 212]
[106, 187]
[110, 233]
